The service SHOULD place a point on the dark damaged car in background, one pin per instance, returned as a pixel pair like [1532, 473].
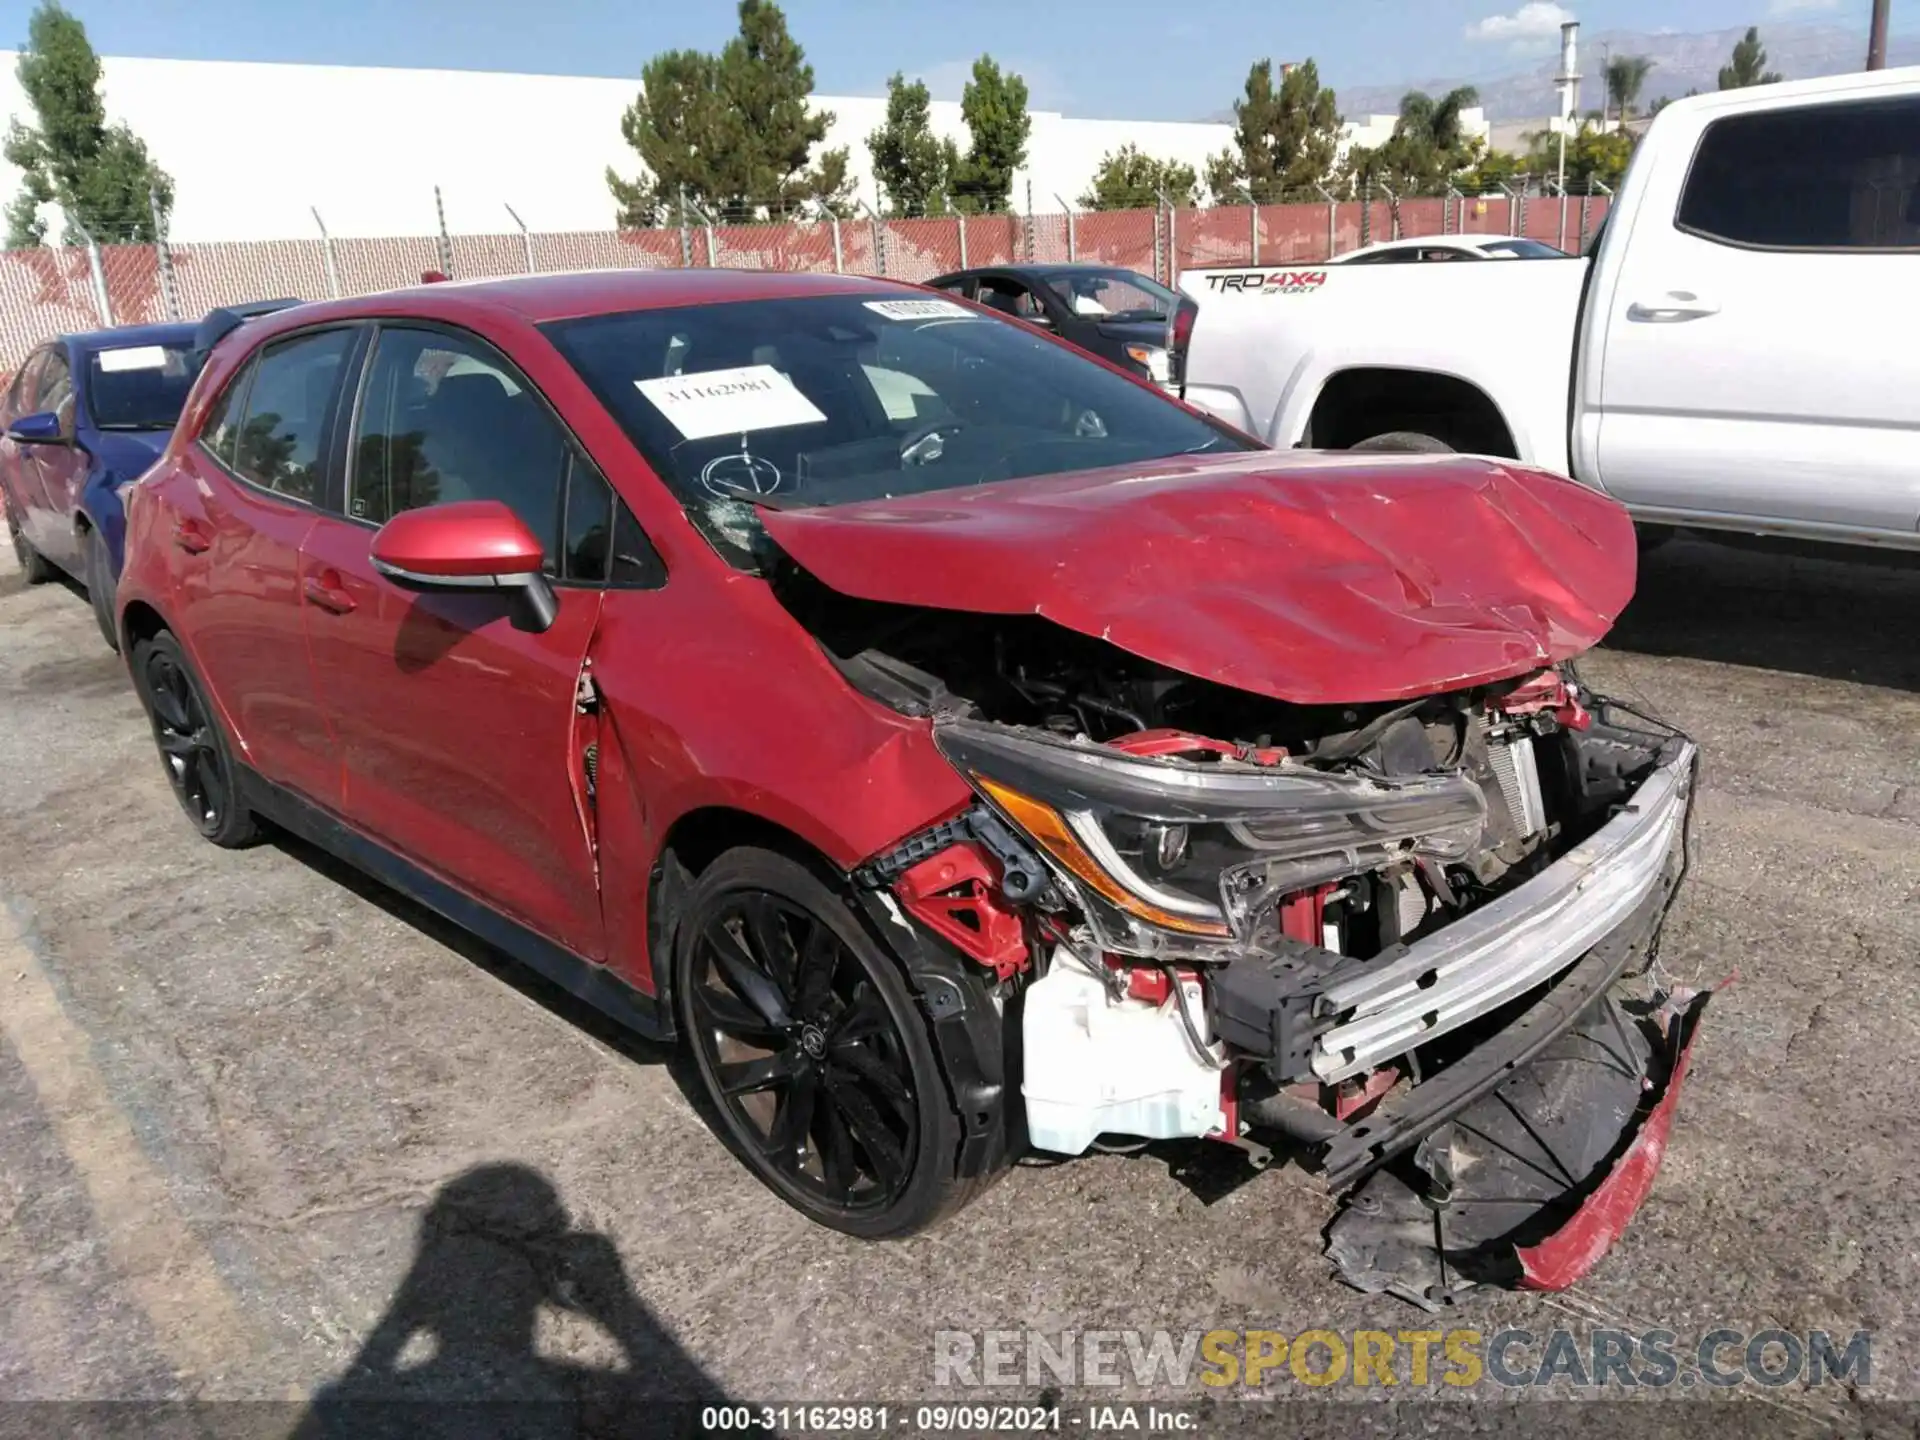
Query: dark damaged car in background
[959, 745]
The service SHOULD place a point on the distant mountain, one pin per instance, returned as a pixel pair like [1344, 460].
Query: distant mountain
[1681, 63]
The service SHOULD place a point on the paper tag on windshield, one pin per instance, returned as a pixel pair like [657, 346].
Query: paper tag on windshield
[134, 357]
[921, 310]
[729, 402]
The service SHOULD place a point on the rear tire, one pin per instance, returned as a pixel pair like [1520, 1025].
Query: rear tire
[193, 749]
[100, 588]
[1406, 442]
[35, 566]
[810, 1048]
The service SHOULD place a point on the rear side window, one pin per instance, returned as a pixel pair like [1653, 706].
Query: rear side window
[280, 440]
[1819, 177]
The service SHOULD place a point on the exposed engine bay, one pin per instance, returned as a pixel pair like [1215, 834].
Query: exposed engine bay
[1338, 929]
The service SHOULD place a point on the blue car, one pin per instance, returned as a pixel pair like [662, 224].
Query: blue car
[86, 414]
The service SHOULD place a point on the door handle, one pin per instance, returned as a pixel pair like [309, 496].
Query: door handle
[326, 591]
[1674, 306]
[192, 537]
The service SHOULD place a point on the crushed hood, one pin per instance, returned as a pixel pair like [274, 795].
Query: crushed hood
[1312, 578]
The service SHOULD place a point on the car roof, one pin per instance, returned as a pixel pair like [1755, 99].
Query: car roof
[573, 294]
[171, 333]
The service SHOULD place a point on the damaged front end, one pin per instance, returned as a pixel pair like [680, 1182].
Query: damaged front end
[1412, 942]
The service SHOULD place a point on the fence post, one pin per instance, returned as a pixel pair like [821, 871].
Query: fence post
[1159, 243]
[839, 255]
[960, 220]
[1254, 211]
[526, 238]
[879, 237]
[1029, 223]
[1563, 215]
[686, 238]
[446, 245]
[326, 249]
[1366, 211]
[713, 255]
[1453, 220]
[164, 255]
[1173, 240]
[1333, 219]
[1073, 247]
[102, 301]
[1393, 213]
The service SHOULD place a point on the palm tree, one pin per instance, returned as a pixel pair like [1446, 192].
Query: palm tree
[1626, 75]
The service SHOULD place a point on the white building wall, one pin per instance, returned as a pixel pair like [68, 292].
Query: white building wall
[254, 149]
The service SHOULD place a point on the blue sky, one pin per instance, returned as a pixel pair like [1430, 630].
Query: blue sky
[1132, 59]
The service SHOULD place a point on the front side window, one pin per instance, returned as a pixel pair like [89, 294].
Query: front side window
[1840, 176]
[138, 387]
[441, 419]
[829, 399]
[1112, 294]
[56, 389]
[281, 430]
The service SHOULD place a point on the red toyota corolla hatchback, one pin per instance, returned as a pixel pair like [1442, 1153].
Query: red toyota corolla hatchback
[961, 745]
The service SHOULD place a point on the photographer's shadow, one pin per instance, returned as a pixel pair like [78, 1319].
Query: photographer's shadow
[455, 1353]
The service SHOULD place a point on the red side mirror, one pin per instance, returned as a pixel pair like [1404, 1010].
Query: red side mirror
[466, 545]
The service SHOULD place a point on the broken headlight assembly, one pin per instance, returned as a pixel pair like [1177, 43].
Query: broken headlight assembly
[1171, 849]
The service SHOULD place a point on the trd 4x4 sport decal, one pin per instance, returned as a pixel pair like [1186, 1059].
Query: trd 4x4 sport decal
[1269, 282]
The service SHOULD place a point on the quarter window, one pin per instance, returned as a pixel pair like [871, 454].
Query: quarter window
[222, 425]
[280, 437]
[441, 419]
[1819, 177]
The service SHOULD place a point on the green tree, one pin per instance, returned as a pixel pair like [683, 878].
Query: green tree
[1626, 77]
[1749, 64]
[1284, 139]
[913, 167]
[1490, 170]
[994, 106]
[1593, 155]
[1427, 149]
[732, 132]
[1130, 180]
[100, 175]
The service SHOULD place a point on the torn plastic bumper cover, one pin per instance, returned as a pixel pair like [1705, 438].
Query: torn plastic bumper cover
[1521, 1162]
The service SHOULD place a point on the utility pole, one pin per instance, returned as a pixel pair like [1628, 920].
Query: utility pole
[1877, 36]
[1569, 82]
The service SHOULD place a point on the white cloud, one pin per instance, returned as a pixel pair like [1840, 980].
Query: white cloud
[1536, 20]
[1794, 7]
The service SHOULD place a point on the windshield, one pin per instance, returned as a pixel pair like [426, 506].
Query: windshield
[1525, 250]
[1112, 294]
[836, 398]
[138, 387]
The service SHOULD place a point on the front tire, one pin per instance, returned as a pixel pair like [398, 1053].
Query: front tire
[193, 750]
[812, 1051]
[1406, 442]
[100, 588]
[35, 566]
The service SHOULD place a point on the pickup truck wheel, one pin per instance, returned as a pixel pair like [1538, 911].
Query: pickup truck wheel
[1406, 442]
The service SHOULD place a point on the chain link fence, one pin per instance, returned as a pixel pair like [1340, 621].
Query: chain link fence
[53, 290]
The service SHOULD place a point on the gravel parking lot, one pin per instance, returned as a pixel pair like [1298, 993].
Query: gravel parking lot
[236, 1089]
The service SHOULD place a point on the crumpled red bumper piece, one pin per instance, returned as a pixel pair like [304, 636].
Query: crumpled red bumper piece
[1577, 1246]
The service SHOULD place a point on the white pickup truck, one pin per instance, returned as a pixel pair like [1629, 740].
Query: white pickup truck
[1739, 351]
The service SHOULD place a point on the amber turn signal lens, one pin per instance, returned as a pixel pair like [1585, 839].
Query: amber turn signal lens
[1045, 825]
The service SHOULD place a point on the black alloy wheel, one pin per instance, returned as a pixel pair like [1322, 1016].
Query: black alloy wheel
[811, 1049]
[192, 749]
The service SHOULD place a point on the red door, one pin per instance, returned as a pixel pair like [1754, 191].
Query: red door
[237, 537]
[457, 726]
